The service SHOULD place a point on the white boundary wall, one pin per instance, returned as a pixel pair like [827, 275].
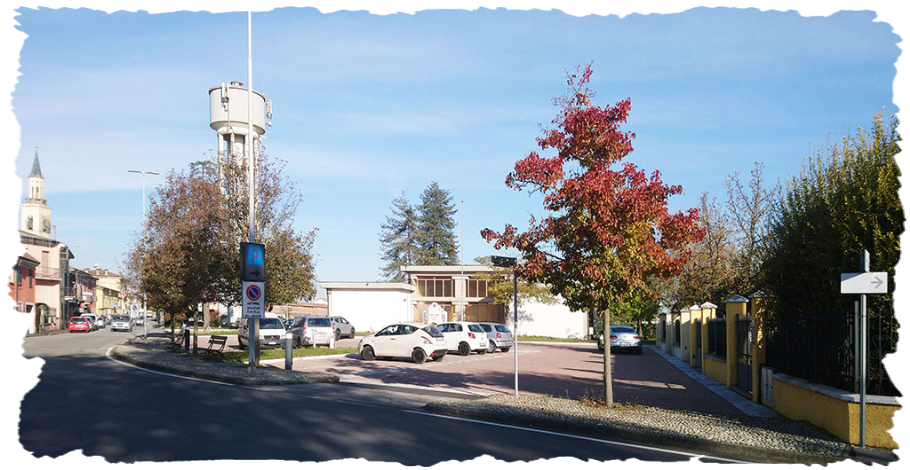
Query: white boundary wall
[369, 308]
[556, 320]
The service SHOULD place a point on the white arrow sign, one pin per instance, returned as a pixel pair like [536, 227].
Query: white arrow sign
[864, 283]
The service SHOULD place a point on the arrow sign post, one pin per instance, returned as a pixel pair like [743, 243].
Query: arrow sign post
[863, 283]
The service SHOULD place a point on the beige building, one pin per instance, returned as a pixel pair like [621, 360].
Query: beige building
[108, 291]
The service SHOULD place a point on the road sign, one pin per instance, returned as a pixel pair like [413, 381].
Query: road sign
[134, 308]
[503, 261]
[864, 283]
[253, 299]
[252, 262]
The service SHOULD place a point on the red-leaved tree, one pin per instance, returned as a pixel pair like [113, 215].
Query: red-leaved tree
[608, 228]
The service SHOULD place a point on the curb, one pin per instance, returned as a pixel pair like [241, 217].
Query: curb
[301, 377]
[669, 440]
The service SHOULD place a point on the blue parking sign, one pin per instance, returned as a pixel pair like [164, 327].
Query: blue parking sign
[252, 262]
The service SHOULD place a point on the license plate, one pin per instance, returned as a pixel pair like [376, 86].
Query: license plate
[626, 345]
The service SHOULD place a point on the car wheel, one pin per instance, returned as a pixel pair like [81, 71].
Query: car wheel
[419, 355]
[491, 348]
[505, 350]
[337, 335]
[464, 349]
[351, 336]
[367, 353]
[240, 343]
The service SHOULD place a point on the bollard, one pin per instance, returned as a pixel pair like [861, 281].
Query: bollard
[186, 339]
[288, 350]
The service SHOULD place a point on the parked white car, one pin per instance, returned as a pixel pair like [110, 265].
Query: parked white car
[92, 319]
[498, 336]
[407, 339]
[464, 337]
[271, 332]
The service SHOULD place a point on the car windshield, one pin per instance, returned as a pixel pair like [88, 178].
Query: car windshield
[271, 324]
[475, 328]
[77, 320]
[120, 318]
[502, 328]
[486, 327]
[319, 322]
[622, 329]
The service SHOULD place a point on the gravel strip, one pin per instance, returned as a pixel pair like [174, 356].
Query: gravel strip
[158, 354]
[743, 437]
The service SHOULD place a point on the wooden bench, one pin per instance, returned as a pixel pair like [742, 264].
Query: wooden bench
[215, 350]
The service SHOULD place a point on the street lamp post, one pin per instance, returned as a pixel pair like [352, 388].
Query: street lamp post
[506, 262]
[145, 328]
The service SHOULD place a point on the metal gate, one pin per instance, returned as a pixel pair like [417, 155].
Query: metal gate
[698, 344]
[744, 355]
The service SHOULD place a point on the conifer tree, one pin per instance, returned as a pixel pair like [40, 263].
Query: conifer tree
[436, 236]
[398, 239]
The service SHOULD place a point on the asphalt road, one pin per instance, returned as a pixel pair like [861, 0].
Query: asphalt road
[85, 401]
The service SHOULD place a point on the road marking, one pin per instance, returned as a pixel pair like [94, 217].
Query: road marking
[441, 364]
[584, 438]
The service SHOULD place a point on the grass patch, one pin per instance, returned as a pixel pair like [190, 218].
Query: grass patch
[649, 342]
[278, 353]
[550, 339]
[597, 402]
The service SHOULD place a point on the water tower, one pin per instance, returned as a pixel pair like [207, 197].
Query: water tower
[230, 118]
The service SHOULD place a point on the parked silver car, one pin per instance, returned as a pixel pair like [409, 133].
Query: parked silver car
[342, 327]
[622, 338]
[309, 330]
[498, 336]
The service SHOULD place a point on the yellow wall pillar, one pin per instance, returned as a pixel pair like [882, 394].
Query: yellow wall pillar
[708, 312]
[695, 320]
[736, 306]
[758, 300]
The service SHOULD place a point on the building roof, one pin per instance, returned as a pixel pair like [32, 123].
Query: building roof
[36, 167]
[368, 286]
[450, 270]
[19, 252]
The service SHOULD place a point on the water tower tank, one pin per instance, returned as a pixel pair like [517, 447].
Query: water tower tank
[228, 109]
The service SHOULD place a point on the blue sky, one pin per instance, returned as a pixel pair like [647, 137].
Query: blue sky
[367, 106]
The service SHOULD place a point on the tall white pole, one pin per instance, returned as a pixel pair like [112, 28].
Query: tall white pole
[862, 357]
[250, 148]
[143, 173]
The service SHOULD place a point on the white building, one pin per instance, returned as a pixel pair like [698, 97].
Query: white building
[445, 293]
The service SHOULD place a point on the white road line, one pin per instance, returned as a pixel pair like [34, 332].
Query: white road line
[109, 356]
[584, 438]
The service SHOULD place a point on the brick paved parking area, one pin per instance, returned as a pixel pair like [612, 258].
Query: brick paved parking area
[570, 371]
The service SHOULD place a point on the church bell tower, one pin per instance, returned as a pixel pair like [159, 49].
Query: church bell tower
[35, 213]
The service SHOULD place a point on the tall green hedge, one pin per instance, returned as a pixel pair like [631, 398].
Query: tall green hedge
[843, 201]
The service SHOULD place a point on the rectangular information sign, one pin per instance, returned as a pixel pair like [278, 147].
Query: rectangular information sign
[864, 283]
[252, 262]
[253, 299]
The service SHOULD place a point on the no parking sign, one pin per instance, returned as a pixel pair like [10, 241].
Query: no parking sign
[253, 299]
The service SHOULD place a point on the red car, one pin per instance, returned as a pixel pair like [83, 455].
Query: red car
[79, 324]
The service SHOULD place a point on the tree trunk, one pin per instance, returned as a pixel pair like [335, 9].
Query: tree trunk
[608, 368]
[195, 331]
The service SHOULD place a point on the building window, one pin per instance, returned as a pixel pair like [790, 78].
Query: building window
[31, 275]
[436, 287]
[18, 275]
[477, 288]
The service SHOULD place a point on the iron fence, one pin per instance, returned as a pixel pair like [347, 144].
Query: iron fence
[717, 337]
[822, 348]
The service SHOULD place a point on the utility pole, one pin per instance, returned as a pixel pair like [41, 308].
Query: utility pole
[145, 329]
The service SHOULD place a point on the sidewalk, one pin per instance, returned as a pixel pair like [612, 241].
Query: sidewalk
[46, 333]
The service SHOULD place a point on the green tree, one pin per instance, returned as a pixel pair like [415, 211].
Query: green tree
[181, 255]
[435, 235]
[501, 288]
[289, 262]
[398, 239]
[844, 201]
[608, 229]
